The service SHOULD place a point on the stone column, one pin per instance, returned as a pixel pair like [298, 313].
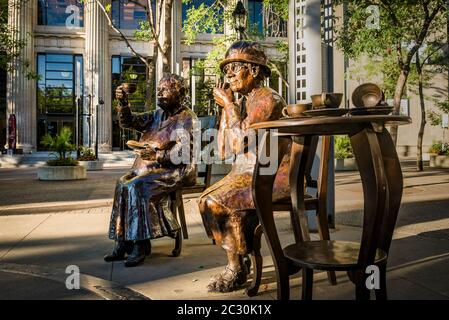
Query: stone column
[98, 76]
[176, 60]
[306, 76]
[21, 90]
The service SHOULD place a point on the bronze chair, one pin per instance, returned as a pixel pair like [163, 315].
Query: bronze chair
[208, 122]
[317, 203]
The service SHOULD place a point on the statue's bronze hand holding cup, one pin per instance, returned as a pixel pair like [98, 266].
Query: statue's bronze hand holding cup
[121, 95]
[129, 88]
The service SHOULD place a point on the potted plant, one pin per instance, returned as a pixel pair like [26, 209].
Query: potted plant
[63, 167]
[439, 155]
[88, 159]
[344, 158]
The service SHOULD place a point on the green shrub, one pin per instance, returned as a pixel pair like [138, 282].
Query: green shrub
[439, 148]
[86, 154]
[63, 162]
[343, 149]
[61, 145]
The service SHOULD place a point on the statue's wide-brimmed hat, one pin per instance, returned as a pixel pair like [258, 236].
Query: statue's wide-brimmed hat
[246, 51]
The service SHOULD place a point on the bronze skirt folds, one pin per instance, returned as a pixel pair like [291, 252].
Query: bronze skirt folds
[141, 208]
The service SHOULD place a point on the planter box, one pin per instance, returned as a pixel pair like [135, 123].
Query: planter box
[95, 165]
[345, 164]
[437, 161]
[61, 173]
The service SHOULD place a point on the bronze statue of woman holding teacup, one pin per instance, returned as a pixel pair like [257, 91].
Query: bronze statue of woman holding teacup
[141, 208]
[227, 207]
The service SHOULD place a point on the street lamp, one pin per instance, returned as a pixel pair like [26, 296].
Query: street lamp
[100, 103]
[240, 17]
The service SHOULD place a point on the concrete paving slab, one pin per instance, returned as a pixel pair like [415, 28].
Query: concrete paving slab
[25, 287]
[14, 228]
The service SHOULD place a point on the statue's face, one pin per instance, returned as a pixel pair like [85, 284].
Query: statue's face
[240, 78]
[168, 95]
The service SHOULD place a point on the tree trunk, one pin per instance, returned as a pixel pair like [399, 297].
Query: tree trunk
[419, 161]
[166, 46]
[151, 83]
[400, 85]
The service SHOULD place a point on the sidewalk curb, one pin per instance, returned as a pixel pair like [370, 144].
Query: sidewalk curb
[105, 289]
[54, 207]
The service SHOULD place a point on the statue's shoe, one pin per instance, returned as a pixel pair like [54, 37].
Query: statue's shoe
[140, 251]
[120, 250]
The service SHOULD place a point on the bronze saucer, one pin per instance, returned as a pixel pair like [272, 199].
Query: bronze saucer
[328, 112]
[370, 111]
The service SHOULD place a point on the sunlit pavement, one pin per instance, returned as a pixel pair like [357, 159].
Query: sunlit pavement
[47, 226]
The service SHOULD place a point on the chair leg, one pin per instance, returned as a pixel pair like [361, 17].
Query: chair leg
[381, 293]
[257, 263]
[361, 291]
[181, 213]
[178, 237]
[307, 283]
[178, 244]
[323, 226]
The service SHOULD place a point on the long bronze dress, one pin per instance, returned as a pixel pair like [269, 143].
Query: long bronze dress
[227, 207]
[141, 208]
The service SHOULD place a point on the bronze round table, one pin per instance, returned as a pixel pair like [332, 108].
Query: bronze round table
[380, 172]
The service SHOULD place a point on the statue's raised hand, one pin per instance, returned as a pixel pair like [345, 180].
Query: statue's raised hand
[121, 96]
[223, 95]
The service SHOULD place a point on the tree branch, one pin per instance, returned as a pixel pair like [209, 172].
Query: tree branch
[128, 44]
[425, 28]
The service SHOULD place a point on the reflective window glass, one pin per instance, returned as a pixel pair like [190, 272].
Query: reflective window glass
[128, 14]
[255, 13]
[196, 4]
[69, 13]
[128, 69]
[59, 87]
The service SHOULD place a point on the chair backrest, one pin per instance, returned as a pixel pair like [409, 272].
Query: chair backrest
[207, 123]
[321, 182]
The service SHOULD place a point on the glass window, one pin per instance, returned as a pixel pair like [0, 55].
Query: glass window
[201, 82]
[69, 13]
[128, 69]
[56, 83]
[128, 14]
[59, 88]
[255, 13]
[196, 4]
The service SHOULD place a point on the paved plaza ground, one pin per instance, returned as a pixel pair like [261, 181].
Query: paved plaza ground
[47, 226]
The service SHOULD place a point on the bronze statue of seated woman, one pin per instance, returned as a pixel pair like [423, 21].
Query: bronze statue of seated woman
[141, 209]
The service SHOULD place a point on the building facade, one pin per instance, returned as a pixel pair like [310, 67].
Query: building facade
[80, 60]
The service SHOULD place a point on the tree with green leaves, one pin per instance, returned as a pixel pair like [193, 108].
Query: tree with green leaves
[158, 18]
[429, 62]
[10, 45]
[213, 18]
[400, 26]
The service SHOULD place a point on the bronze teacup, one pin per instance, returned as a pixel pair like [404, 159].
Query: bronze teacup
[367, 95]
[326, 100]
[296, 110]
[129, 88]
